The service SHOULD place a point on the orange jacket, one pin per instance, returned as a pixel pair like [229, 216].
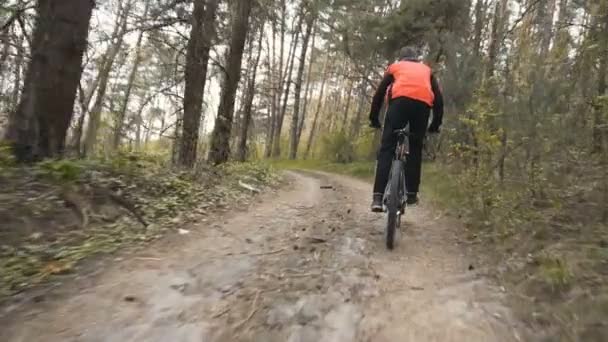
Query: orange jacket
[412, 80]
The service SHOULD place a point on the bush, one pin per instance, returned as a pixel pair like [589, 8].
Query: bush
[338, 148]
[60, 171]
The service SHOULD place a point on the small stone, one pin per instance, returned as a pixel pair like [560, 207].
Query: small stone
[130, 299]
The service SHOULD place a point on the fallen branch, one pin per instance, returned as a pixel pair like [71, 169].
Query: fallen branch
[257, 254]
[248, 187]
[268, 253]
[254, 309]
[73, 202]
[221, 313]
[130, 207]
[148, 259]
[123, 203]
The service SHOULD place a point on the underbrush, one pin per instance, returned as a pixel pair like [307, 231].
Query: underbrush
[55, 213]
[548, 249]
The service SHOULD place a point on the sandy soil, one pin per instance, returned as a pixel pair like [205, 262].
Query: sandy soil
[302, 265]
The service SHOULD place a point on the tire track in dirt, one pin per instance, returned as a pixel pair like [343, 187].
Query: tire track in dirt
[304, 264]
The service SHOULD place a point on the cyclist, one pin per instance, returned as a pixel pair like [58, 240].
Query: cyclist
[414, 91]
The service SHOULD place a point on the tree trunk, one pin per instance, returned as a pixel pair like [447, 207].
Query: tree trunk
[247, 112]
[315, 121]
[197, 58]
[478, 28]
[103, 77]
[276, 151]
[122, 113]
[293, 150]
[278, 82]
[219, 151]
[356, 123]
[43, 116]
[17, 80]
[598, 134]
[6, 49]
[500, 12]
[309, 89]
[347, 106]
[273, 97]
[77, 138]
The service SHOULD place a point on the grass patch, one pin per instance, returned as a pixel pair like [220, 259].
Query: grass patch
[437, 184]
[440, 187]
[363, 170]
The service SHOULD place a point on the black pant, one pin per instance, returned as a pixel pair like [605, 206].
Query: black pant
[401, 113]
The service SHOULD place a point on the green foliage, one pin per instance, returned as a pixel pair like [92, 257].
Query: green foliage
[439, 184]
[555, 272]
[259, 172]
[338, 147]
[7, 159]
[60, 171]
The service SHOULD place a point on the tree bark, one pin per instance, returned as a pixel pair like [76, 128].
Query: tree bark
[77, 138]
[478, 28]
[498, 23]
[6, 48]
[247, 111]
[315, 121]
[276, 151]
[103, 77]
[598, 134]
[356, 123]
[17, 79]
[43, 116]
[293, 150]
[219, 151]
[309, 88]
[197, 58]
[273, 101]
[122, 113]
[347, 106]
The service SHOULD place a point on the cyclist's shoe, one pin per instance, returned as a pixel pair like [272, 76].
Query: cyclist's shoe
[377, 203]
[412, 198]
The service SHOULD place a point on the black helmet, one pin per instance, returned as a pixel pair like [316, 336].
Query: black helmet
[409, 52]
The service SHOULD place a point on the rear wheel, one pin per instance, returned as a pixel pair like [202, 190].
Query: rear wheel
[393, 203]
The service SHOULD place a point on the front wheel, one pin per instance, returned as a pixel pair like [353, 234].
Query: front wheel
[394, 202]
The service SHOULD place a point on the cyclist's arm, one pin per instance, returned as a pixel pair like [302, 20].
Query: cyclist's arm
[438, 103]
[379, 96]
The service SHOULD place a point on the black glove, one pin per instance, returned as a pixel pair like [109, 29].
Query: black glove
[375, 124]
[373, 121]
[434, 128]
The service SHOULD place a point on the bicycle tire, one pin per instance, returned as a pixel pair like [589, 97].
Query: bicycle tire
[393, 203]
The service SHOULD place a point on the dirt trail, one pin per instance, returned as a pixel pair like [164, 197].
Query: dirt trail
[303, 265]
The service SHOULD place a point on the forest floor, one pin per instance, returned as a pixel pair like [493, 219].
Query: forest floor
[305, 263]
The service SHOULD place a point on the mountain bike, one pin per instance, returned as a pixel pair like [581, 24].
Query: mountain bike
[396, 193]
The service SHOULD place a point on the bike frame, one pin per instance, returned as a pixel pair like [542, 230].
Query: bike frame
[401, 153]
